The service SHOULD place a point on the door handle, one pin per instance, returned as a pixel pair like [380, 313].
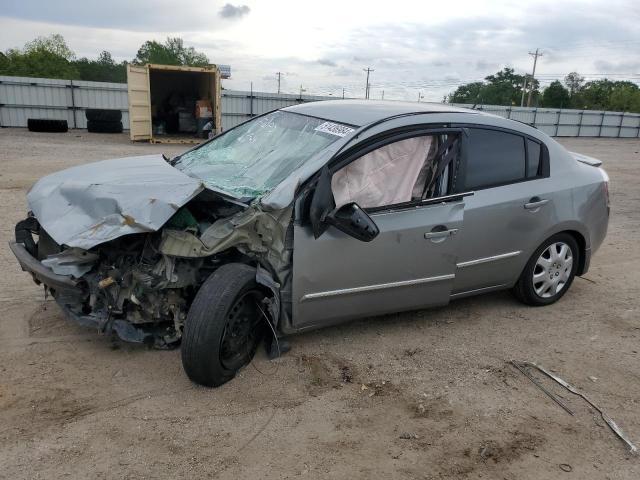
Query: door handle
[535, 203]
[441, 234]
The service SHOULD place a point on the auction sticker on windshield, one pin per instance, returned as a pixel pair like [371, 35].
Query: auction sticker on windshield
[334, 129]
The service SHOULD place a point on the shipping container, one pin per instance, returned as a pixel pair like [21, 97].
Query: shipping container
[163, 100]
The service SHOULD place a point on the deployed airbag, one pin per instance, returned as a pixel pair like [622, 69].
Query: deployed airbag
[385, 176]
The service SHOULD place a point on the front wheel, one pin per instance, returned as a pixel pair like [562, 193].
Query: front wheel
[224, 325]
[549, 272]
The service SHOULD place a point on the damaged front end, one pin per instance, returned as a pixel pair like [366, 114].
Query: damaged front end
[141, 285]
[124, 245]
[128, 284]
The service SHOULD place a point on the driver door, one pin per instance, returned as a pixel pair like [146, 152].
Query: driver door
[410, 264]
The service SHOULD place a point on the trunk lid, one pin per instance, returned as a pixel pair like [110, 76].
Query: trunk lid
[594, 162]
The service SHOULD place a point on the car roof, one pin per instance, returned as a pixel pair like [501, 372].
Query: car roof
[363, 112]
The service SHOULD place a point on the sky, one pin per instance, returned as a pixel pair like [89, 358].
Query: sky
[416, 48]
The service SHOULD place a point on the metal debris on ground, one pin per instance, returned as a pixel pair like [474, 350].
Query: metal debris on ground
[520, 366]
[565, 467]
[609, 421]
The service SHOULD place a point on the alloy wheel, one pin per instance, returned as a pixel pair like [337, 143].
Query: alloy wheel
[552, 270]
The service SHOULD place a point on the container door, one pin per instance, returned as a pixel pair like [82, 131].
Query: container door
[139, 102]
[217, 101]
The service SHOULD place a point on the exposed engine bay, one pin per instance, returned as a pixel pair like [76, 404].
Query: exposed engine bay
[141, 285]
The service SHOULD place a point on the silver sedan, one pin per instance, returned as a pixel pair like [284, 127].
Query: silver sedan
[308, 216]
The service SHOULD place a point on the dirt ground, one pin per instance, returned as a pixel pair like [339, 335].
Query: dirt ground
[421, 395]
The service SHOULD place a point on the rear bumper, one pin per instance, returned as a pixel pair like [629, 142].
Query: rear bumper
[42, 274]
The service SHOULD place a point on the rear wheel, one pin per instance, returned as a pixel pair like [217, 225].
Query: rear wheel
[549, 272]
[103, 115]
[224, 325]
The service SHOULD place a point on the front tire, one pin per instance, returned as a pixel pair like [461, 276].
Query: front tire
[549, 272]
[224, 325]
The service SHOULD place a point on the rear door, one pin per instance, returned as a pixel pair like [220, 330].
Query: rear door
[410, 264]
[510, 210]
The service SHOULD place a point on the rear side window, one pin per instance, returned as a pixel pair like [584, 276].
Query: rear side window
[533, 158]
[494, 158]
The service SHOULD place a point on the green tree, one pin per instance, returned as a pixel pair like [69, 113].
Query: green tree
[501, 88]
[607, 94]
[54, 44]
[556, 96]
[505, 88]
[104, 69]
[624, 97]
[574, 83]
[43, 57]
[468, 93]
[595, 94]
[171, 52]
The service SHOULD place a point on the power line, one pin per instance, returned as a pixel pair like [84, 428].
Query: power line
[590, 45]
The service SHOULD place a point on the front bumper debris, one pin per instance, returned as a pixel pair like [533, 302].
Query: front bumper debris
[69, 293]
[44, 275]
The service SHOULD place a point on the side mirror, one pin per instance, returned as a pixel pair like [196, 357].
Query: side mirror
[353, 221]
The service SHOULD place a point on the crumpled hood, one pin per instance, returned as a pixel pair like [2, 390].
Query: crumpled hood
[91, 204]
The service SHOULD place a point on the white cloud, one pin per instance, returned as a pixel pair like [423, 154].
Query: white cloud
[412, 45]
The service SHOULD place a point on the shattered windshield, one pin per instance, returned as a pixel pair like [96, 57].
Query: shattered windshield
[254, 157]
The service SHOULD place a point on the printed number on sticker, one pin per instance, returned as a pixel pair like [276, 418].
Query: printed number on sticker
[334, 129]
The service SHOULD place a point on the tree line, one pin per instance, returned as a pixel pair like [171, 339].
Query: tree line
[505, 88]
[51, 57]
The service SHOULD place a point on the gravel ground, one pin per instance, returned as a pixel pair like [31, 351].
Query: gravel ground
[419, 395]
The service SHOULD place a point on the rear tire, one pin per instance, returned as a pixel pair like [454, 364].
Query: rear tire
[224, 326]
[549, 272]
[103, 115]
[47, 125]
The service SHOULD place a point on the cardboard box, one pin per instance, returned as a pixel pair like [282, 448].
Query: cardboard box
[204, 109]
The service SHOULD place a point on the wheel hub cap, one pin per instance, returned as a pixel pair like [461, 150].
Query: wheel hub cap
[552, 270]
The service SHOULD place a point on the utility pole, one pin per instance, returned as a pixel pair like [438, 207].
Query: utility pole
[420, 96]
[302, 90]
[533, 75]
[382, 94]
[366, 88]
[524, 88]
[343, 93]
[279, 75]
